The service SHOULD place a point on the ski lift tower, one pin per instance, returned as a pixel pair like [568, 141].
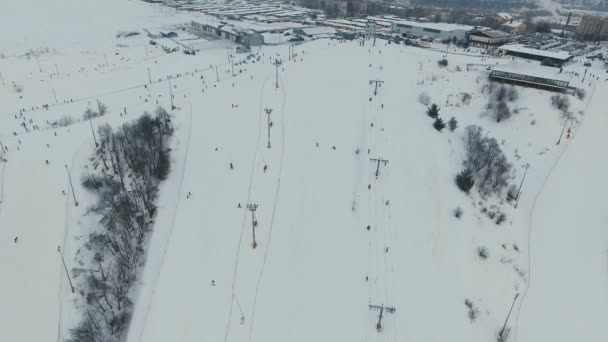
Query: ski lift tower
[370, 30]
[381, 308]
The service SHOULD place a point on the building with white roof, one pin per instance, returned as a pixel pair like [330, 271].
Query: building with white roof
[555, 58]
[431, 30]
[533, 75]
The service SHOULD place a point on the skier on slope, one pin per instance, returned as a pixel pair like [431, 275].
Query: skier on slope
[265, 168]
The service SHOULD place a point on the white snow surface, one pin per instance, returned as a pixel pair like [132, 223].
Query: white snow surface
[306, 279]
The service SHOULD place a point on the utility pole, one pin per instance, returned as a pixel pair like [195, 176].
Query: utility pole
[93, 131]
[149, 77]
[71, 185]
[381, 308]
[377, 84]
[55, 95]
[585, 75]
[376, 160]
[171, 94]
[254, 222]
[560, 136]
[232, 61]
[502, 335]
[268, 111]
[277, 64]
[520, 185]
[65, 268]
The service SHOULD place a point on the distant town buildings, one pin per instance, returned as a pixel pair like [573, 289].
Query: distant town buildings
[431, 30]
[592, 28]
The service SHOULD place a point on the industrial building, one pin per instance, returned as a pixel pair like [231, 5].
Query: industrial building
[489, 39]
[247, 37]
[440, 31]
[593, 29]
[533, 75]
[549, 58]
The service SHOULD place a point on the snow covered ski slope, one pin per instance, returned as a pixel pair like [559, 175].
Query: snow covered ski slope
[337, 233]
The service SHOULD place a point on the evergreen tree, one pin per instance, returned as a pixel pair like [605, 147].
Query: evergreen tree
[433, 111]
[465, 180]
[439, 124]
[453, 124]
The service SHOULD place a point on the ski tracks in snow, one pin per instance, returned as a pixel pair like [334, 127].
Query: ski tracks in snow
[172, 226]
[538, 194]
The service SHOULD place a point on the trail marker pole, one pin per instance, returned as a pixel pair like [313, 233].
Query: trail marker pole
[381, 308]
[2, 78]
[71, 185]
[149, 77]
[254, 222]
[268, 111]
[65, 268]
[55, 95]
[378, 161]
[217, 75]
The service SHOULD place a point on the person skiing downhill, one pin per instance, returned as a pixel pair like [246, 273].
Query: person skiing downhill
[265, 168]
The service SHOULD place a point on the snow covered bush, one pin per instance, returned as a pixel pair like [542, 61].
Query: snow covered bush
[458, 212]
[88, 114]
[433, 111]
[580, 93]
[472, 312]
[485, 161]
[512, 94]
[561, 102]
[65, 121]
[442, 62]
[466, 98]
[424, 98]
[502, 217]
[465, 180]
[439, 124]
[482, 252]
[452, 124]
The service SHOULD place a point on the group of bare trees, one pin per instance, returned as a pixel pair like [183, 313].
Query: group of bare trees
[129, 164]
[500, 95]
[485, 163]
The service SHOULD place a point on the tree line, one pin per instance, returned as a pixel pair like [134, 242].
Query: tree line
[129, 164]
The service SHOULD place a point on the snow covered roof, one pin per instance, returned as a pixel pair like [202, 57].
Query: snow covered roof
[520, 48]
[535, 70]
[492, 34]
[312, 31]
[505, 16]
[436, 26]
[513, 24]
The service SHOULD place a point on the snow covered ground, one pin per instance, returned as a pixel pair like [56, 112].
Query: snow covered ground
[316, 267]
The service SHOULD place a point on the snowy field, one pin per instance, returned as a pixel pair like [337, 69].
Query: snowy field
[316, 266]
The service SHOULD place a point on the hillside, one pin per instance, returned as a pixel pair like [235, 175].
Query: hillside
[332, 236]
